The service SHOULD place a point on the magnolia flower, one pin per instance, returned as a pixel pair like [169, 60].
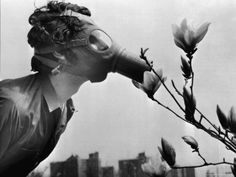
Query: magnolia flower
[156, 167]
[151, 82]
[186, 37]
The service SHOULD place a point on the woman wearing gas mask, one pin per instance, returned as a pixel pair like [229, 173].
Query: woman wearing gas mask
[69, 50]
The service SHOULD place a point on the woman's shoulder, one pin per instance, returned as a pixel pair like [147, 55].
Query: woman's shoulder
[23, 89]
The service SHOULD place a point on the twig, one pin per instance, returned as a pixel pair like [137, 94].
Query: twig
[218, 136]
[199, 154]
[228, 144]
[169, 109]
[201, 114]
[163, 83]
[202, 165]
[177, 91]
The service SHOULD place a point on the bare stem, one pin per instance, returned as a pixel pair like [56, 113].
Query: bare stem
[230, 145]
[202, 165]
[201, 114]
[163, 83]
[212, 133]
[169, 109]
[199, 154]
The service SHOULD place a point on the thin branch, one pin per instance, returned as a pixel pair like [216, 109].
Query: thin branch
[229, 144]
[200, 126]
[169, 109]
[202, 165]
[207, 119]
[201, 114]
[177, 91]
[163, 83]
[199, 154]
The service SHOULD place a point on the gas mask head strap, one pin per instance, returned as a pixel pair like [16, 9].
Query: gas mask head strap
[81, 40]
[52, 63]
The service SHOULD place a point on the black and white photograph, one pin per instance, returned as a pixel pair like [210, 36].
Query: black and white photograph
[117, 88]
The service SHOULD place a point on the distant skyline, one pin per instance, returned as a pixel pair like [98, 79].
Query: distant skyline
[116, 119]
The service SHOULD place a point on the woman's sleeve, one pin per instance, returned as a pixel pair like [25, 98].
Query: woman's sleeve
[8, 116]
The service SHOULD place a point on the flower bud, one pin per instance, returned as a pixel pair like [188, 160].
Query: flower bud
[190, 105]
[232, 120]
[233, 167]
[191, 141]
[185, 68]
[222, 118]
[168, 152]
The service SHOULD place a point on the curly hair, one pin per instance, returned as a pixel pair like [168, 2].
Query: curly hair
[52, 25]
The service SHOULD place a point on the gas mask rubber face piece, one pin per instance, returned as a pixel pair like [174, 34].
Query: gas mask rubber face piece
[97, 55]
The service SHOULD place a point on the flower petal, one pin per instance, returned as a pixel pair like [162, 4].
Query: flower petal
[155, 166]
[159, 82]
[233, 167]
[178, 36]
[232, 120]
[136, 84]
[177, 33]
[189, 38]
[168, 150]
[201, 32]
[175, 30]
[183, 25]
[149, 80]
[190, 105]
[179, 44]
[222, 118]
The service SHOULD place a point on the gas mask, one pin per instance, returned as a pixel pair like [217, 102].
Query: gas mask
[99, 52]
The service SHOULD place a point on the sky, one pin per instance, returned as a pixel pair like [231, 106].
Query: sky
[116, 119]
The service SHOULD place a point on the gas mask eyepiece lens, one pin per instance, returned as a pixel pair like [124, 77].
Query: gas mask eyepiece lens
[99, 40]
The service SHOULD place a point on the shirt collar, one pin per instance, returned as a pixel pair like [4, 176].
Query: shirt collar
[49, 93]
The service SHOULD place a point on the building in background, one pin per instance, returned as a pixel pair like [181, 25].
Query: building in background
[93, 165]
[185, 172]
[74, 166]
[108, 171]
[82, 167]
[68, 168]
[132, 167]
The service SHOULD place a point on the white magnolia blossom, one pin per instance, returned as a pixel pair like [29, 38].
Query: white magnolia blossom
[151, 82]
[156, 167]
[187, 37]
